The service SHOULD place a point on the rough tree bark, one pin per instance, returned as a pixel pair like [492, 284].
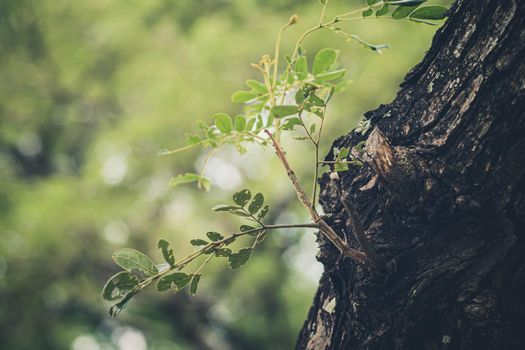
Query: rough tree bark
[442, 201]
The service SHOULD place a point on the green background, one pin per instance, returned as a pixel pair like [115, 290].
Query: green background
[90, 92]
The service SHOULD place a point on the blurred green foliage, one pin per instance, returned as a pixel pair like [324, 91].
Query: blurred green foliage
[90, 91]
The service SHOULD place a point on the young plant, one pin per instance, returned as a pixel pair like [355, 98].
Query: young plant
[294, 98]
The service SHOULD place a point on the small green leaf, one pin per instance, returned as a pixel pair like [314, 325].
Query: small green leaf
[301, 67]
[300, 138]
[250, 123]
[240, 213]
[229, 240]
[403, 11]
[312, 128]
[118, 307]
[324, 61]
[177, 281]
[223, 252]
[167, 252]
[240, 123]
[224, 207]
[192, 139]
[243, 96]
[242, 197]
[194, 283]
[223, 122]
[372, 2]
[198, 242]
[383, 10]
[368, 12]
[205, 182]
[341, 167]
[214, 236]
[240, 258]
[256, 204]
[316, 100]
[119, 285]
[283, 111]
[343, 153]
[245, 228]
[290, 123]
[336, 74]
[430, 12]
[256, 86]
[190, 177]
[263, 212]
[132, 260]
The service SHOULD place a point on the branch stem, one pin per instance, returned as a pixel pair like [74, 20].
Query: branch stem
[325, 229]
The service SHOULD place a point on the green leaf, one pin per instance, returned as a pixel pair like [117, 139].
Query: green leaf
[316, 100]
[343, 153]
[250, 123]
[230, 240]
[240, 258]
[300, 138]
[214, 236]
[283, 111]
[403, 11]
[205, 182]
[223, 252]
[263, 212]
[177, 281]
[256, 86]
[290, 123]
[245, 228]
[198, 242]
[341, 167]
[368, 12]
[336, 74]
[119, 285]
[224, 207]
[167, 252]
[372, 2]
[118, 307]
[383, 10]
[192, 139]
[242, 96]
[324, 60]
[194, 283]
[133, 260]
[312, 128]
[191, 177]
[430, 12]
[301, 67]
[223, 122]
[240, 213]
[242, 197]
[256, 204]
[240, 123]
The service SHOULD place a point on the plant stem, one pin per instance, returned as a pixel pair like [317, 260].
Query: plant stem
[316, 166]
[326, 229]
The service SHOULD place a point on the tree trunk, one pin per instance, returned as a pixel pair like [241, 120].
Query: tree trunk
[441, 199]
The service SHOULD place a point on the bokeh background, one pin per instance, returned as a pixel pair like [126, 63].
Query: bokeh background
[90, 92]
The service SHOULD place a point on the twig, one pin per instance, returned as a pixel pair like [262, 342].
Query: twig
[325, 229]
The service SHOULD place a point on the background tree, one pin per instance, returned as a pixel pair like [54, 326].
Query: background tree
[441, 201]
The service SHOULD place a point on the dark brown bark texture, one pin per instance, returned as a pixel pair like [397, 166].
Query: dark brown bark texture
[441, 199]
